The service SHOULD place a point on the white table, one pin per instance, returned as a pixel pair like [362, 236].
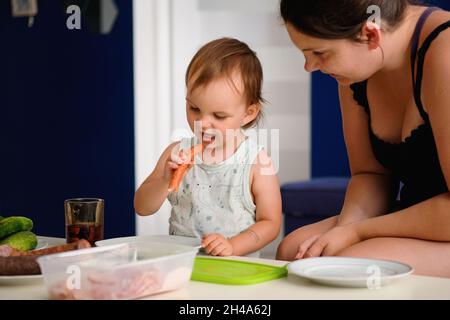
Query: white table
[289, 288]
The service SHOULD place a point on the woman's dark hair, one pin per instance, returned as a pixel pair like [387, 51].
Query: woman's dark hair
[343, 19]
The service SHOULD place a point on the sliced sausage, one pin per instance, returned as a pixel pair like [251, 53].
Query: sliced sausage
[13, 266]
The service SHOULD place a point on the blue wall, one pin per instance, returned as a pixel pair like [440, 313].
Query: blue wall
[444, 4]
[66, 118]
[328, 153]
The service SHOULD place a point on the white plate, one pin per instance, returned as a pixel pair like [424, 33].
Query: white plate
[349, 272]
[187, 241]
[24, 280]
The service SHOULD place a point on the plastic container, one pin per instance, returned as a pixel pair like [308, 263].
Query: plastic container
[124, 271]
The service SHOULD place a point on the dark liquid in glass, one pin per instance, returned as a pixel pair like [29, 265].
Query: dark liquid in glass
[90, 232]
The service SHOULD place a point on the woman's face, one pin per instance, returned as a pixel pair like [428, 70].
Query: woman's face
[345, 60]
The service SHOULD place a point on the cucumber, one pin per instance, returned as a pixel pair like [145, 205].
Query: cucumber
[12, 225]
[22, 241]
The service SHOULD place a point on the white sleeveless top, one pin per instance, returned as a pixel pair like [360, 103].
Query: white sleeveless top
[215, 198]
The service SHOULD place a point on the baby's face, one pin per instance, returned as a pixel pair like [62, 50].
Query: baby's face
[217, 108]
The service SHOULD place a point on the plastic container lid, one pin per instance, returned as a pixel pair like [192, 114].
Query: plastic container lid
[234, 272]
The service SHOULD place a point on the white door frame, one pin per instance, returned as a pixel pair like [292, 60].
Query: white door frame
[152, 92]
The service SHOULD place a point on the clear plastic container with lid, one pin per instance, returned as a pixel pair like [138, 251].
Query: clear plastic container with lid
[123, 271]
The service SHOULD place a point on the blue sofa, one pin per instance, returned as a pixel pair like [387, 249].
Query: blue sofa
[313, 200]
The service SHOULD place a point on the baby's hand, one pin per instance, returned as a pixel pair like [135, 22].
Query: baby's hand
[177, 158]
[217, 245]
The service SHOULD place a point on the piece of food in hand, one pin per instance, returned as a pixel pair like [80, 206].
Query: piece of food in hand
[21, 241]
[183, 168]
[13, 225]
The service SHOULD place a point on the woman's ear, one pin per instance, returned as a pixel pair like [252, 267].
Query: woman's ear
[371, 34]
[251, 113]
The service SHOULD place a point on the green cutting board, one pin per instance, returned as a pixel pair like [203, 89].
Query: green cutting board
[234, 272]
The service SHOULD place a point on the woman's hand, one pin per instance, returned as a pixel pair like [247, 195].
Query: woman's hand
[305, 245]
[331, 242]
[217, 245]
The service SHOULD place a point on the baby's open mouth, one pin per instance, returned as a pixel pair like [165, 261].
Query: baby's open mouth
[207, 137]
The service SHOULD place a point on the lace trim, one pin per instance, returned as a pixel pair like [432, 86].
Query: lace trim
[360, 96]
[408, 139]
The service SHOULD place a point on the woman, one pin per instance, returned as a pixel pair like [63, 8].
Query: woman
[394, 88]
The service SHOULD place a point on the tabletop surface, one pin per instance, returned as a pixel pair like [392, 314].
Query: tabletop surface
[289, 288]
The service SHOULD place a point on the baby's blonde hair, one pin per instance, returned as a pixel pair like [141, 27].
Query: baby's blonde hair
[221, 57]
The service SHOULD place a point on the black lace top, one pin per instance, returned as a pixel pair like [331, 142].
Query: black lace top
[414, 162]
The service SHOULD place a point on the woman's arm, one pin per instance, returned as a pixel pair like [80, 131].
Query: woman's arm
[427, 220]
[368, 195]
[154, 190]
[266, 192]
[370, 189]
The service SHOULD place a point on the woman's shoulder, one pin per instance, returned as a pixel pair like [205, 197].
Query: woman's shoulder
[437, 18]
[435, 49]
[432, 25]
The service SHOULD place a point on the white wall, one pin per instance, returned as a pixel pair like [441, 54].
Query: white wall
[153, 96]
[167, 35]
